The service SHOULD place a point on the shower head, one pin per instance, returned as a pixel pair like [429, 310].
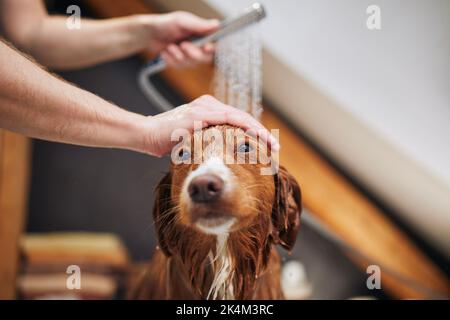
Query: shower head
[251, 15]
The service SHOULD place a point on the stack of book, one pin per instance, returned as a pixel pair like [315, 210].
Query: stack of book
[72, 266]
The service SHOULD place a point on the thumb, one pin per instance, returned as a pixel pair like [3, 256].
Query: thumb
[194, 24]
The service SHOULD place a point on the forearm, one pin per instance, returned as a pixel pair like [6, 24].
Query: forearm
[56, 46]
[37, 104]
[27, 24]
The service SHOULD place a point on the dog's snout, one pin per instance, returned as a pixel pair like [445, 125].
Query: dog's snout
[205, 188]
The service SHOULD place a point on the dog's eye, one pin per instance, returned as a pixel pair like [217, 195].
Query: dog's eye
[184, 155]
[245, 148]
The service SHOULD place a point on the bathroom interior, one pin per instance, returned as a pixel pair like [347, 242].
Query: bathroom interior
[363, 118]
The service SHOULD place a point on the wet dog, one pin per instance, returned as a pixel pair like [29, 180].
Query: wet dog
[218, 220]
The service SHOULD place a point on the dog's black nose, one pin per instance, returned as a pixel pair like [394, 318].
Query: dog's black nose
[205, 188]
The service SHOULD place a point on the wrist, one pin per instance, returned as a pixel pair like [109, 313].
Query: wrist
[141, 135]
[143, 26]
[151, 136]
[114, 127]
[135, 131]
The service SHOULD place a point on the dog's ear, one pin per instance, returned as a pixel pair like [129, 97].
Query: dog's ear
[286, 209]
[162, 214]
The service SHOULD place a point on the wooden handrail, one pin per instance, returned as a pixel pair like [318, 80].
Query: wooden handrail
[326, 193]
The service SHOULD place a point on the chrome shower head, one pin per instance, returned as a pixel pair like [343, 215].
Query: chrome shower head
[251, 15]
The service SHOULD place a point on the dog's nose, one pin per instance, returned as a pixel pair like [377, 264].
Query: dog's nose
[205, 188]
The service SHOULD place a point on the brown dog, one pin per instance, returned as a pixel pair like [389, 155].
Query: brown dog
[217, 223]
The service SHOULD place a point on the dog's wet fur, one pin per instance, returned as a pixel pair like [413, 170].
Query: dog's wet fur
[218, 224]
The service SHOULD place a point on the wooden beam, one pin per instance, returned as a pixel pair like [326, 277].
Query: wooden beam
[14, 173]
[328, 195]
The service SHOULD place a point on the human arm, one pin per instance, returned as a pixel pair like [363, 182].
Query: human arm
[40, 105]
[27, 24]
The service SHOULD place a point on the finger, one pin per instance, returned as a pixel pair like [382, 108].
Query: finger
[176, 53]
[167, 57]
[265, 135]
[209, 48]
[246, 121]
[207, 100]
[210, 101]
[230, 115]
[242, 117]
[193, 52]
[194, 24]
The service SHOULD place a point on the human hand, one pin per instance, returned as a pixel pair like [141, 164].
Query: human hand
[165, 31]
[207, 110]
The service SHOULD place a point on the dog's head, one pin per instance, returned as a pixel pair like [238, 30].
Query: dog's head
[215, 186]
